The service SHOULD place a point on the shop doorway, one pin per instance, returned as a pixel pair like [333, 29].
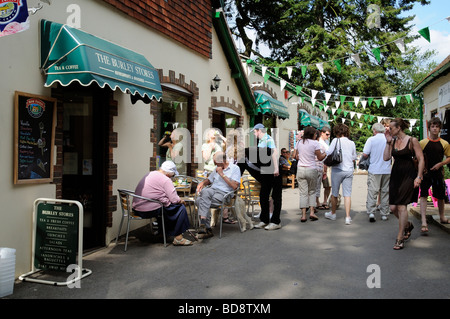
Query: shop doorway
[85, 131]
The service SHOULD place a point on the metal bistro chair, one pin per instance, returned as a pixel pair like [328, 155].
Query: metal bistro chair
[189, 196]
[126, 197]
[252, 190]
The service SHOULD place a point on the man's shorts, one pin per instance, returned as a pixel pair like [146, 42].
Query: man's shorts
[435, 180]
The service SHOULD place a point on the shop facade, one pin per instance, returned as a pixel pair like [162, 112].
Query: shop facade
[107, 129]
[435, 91]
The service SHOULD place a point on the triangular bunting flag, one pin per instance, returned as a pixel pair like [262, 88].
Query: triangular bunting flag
[304, 67]
[357, 60]
[314, 93]
[358, 115]
[360, 125]
[337, 103]
[412, 122]
[370, 100]
[298, 89]
[393, 100]
[352, 114]
[377, 102]
[282, 84]
[379, 118]
[326, 107]
[343, 97]
[333, 110]
[385, 99]
[399, 98]
[400, 43]
[337, 63]
[356, 100]
[289, 70]
[327, 97]
[320, 67]
[408, 98]
[377, 53]
[266, 77]
[425, 32]
[263, 70]
[277, 70]
[364, 103]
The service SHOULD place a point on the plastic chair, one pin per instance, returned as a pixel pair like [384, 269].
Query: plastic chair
[125, 197]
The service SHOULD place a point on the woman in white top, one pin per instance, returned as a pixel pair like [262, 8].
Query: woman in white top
[307, 149]
[342, 174]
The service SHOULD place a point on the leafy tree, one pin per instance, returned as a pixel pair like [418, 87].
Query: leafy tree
[306, 32]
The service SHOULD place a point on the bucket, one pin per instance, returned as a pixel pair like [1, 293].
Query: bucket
[7, 271]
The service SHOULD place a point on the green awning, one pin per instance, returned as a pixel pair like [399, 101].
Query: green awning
[267, 104]
[307, 119]
[69, 54]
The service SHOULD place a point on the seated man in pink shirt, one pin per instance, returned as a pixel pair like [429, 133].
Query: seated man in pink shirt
[158, 185]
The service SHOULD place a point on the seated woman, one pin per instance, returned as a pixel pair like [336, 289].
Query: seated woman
[158, 185]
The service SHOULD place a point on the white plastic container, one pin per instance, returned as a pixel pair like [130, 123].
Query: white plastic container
[7, 270]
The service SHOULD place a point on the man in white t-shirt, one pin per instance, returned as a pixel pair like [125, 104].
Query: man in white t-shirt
[379, 174]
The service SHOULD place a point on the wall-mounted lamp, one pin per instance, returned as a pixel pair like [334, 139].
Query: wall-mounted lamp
[215, 83]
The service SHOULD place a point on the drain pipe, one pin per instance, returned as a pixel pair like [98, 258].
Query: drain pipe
[421, 114]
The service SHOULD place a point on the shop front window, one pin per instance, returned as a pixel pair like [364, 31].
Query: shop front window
[173, 131]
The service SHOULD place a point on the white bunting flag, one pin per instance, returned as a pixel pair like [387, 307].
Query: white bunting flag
[337, 103]
[289, 70]
[385, 99]
[263, 70]
[379, 118]
[282, 84]
[364, 104]
[393, 100]
[320, 67]
[400, 45]
[356, 100]
[333, 110]
[352, 114]
[358, 115]
[327, 97]
[360, 125]
[314, 93]
[357, 60]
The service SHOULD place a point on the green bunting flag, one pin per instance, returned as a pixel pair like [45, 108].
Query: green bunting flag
[377, 53]
[304, 67]
[277, 70]
[298, 89]
[425, 32]
[377, 102]
[337, 63]
[343, 97]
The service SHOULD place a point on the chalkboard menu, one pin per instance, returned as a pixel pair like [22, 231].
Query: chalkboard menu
[57, 231]
[34, 123]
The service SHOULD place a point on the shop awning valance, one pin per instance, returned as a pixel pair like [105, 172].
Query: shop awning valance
[267, 104]
[307, 119]
[69, 54]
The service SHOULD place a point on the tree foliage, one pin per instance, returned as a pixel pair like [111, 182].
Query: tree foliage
[306, 32]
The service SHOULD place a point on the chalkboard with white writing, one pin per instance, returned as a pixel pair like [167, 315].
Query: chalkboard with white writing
[34, 123]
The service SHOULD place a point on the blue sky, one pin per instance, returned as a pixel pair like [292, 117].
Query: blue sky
[431, 16]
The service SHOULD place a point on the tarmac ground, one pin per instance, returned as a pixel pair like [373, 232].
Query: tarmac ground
[317, 259]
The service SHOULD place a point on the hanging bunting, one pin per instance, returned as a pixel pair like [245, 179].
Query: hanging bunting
[364, 103]
[356, 98]
[385, 99]
[425, 32]
[298, 89]
[282, 84]
[314, 93]
[289, 70]
[327, 97]
[320, 68]
[342, 97]
[277, 70]
[304, 67]
[357, 60]
[400, 43]
[377, 102]
[263, 71]
[377, 53]
[393, 100]
[337, 63]
[337, 103]
[333, 110]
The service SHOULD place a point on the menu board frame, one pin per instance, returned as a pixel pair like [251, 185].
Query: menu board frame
[29, 110]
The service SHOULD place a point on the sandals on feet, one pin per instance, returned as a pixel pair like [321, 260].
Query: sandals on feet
[182, 242]
[228, 221]
[408, 230]
[424, 229]
[323, 206]
[313, 218]
[399, 244]
[445, 222]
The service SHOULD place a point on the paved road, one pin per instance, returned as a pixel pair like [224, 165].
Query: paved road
[321, 259]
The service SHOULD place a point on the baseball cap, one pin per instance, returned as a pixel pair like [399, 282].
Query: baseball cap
[169, 167]
[258, 127]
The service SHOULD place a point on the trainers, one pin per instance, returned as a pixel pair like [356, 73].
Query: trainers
[260, 225]
[207, 234]
[348, 220]
[372, 218]
[330, 216]
[272, 226]
[384, 217]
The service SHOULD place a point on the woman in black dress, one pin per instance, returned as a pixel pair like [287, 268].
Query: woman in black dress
[405, 178]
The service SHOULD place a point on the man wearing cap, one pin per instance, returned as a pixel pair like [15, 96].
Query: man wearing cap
[269, 178]
[225, 178]
[158, 185]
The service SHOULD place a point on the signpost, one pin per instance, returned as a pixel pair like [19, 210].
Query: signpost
[57, 239]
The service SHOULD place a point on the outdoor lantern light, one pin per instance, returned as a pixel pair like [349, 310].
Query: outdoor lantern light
[215, 83]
